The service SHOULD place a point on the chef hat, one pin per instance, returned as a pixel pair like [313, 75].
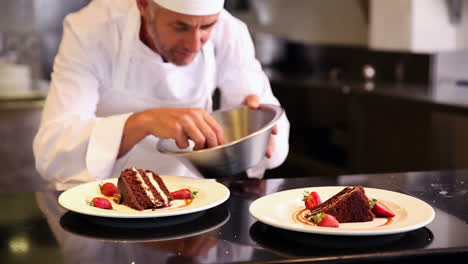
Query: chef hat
[192, 7]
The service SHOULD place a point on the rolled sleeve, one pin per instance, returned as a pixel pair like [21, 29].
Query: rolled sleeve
[72, 145]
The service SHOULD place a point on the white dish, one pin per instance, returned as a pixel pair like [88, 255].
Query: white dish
[210, 194]
[21, 95]
[278, 210]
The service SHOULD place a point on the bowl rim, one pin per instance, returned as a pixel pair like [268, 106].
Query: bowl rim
[279, 111]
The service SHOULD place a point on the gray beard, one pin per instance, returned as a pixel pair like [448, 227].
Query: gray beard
[151, 35]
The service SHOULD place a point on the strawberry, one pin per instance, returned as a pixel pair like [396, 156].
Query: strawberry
[311, 199]
[108, 189]
[380, 209]
[100, 202]
[325, 220]
[183, 194]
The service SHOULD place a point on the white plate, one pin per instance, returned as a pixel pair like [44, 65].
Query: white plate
[277, 210]
[210, 194]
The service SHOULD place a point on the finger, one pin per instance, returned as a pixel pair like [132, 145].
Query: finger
[252, 101]
[193, 132]
[217, 129]
[211, 138]
[274, 130]
[181, 138]
[271, 147]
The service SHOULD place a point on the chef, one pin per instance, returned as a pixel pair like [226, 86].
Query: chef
[131, 72]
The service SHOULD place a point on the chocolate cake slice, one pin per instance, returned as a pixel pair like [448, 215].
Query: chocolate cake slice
[349, 205]
[142, 190]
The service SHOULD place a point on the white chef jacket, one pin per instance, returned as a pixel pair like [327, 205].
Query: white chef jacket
[103, 73]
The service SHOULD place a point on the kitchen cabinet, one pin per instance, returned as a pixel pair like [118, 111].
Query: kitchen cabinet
[336, 131]
[388, 135]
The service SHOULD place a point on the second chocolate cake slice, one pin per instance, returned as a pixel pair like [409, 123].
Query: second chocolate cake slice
[349, 205]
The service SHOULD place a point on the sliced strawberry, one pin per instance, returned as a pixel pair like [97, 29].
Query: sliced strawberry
[183, 194]
[100, 202]
[326, 220]
[379, 209]
[311, 199]
[108, 189]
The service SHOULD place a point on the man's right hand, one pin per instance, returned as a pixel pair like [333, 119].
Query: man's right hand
[179, 124]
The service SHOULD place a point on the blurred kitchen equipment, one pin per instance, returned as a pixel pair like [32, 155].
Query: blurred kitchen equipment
[368, 72]
[247, 133]
[17, 16]
[266, 10]
[19, 55]
[269, 49]
[15, 79]
[455, 11]
[49, 24]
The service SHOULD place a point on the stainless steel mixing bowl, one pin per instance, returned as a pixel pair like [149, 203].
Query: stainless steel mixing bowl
[247, 133]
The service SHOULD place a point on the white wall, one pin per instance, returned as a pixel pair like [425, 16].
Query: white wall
[451, 66]
[390, 24]
[421, 26]
[340, 22]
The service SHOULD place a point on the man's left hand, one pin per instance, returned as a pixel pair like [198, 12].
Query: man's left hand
[253, 102]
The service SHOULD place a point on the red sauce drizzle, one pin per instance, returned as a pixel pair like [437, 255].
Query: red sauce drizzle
[298, 216]
[187, 203]
[389, 220]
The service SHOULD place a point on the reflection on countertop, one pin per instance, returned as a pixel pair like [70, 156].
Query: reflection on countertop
[38, 229]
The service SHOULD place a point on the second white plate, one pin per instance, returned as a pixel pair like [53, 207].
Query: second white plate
[279, 210]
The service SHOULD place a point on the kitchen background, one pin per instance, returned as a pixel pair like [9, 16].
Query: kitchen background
[368, 85]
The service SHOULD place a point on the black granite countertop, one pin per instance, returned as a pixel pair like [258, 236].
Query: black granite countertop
[34, 228]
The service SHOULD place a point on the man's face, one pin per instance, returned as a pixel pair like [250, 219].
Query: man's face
[177, 37]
